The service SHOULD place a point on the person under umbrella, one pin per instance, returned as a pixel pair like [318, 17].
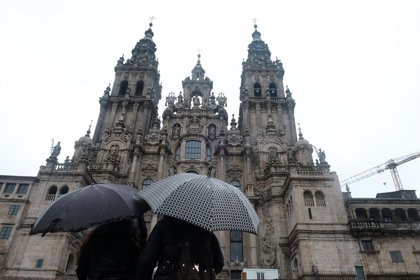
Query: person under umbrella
[110, 251]
[182, 251]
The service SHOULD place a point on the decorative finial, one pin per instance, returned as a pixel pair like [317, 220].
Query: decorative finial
[151, 21]
[90, 126]
[300, 132]
[198, 56]
[255, 23]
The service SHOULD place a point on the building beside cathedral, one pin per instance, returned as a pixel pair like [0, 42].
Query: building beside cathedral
[309, 229]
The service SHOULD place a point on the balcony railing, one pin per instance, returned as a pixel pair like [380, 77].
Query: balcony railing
[358, 227]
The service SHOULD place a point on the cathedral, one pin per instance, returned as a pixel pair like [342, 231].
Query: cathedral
[309, 228]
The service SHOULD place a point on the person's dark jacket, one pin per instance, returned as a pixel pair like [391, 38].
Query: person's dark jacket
[163, 247]
[111, 251]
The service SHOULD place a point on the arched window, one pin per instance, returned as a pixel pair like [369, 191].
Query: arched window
[52, 192]
[257, 90]
[374, 214]
[123, 88]
[70, 262]
[387, 215]
[400, 214]
[193, 149]
[309, 199]
[209, 154]
[147, 182]
[236, 246]
[413, 214]
[236, 184]
[177, 152]
[273, 90]
[139, 88]
[193, 172]
[64, 190]
[320, 199]
[361, 214]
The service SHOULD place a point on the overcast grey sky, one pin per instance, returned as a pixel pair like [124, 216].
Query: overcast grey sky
[353, 68]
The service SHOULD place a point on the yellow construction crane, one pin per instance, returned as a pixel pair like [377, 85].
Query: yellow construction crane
[390, 164]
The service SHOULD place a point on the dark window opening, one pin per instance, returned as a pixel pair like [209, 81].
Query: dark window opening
[360, 273]
[23, 188]
[320, 199]
[52, 190]
[177, 152]
[5, 232]
[235, 274]
[273, 90]
[39, 263]
[64, 190]
[308, 198]
[310, 213]
[236, 246]
[123, 88]
[361, 214]
[396, 256]
[257, 90]
[193, 172]
[139, 88]
[367, 245]
[400, 214]
[9, 188]
[14, 209]
[413, 214]
[374, 214]
[387, 215]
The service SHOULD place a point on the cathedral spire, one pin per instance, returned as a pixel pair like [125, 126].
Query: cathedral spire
[144, 51]
[198, 72]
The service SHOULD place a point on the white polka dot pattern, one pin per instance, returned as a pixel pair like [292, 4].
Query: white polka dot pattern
[206, 202]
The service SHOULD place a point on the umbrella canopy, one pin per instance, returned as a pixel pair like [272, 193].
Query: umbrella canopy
[87, 207]
[206, 202]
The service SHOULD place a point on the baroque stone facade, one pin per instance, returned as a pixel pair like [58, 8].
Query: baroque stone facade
[308, 230]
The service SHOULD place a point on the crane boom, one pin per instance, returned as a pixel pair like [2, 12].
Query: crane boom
[390, 164]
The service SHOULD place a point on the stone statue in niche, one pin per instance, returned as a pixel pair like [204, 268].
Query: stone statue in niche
[272, 155]
[176, 131]
[196, 101]
[212, 132]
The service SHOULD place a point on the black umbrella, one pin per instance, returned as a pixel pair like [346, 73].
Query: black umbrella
[87, 207]
[206, 202]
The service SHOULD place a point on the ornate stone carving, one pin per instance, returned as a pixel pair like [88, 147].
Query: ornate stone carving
[149, 170]
[268, 248]
[234, 171]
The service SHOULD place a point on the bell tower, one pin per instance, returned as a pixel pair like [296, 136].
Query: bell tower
[128, 110]
[262, 93]
[132, 101]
